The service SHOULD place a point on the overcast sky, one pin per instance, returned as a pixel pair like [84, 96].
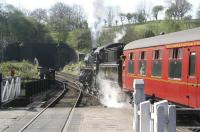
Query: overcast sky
[124, 5]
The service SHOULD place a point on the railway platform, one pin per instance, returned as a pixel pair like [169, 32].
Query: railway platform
[88, 119]
[100, 119]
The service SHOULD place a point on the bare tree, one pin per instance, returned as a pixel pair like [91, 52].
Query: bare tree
[64, 18]
[40, 15]
[156, 10]
[129, 17]
[187, 21]
[142, 16]
[60, 16]
[178, 9]
[142, 12]
[135, 17]
[169, 13]
[110, 15]
[60, 11]
[198, 13]
[78, 16]
[122, 17]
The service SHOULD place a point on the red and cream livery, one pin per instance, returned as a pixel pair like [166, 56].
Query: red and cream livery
[169, 64]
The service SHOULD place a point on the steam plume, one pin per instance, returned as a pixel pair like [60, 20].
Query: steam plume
[98, 15]
[111, 94]
[119, 35]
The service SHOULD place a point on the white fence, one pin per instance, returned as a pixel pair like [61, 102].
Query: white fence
[10, 89]
[157, 117]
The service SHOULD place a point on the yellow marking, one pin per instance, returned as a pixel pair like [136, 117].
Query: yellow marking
[162, 80]
[185, 44]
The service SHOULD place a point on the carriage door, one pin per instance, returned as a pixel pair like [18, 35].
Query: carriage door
[192, 77]
[124, 63]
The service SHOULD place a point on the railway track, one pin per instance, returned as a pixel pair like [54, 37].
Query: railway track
[188, 120]
[63, 76]
[87, 99]
[57, 114]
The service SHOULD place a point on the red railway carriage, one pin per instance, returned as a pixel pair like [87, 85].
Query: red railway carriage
[169, 65]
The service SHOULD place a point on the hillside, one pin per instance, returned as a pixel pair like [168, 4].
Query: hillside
[143, 30]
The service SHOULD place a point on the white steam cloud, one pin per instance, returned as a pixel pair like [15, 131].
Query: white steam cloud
[98, 15]
[111, 94]
[119, 35]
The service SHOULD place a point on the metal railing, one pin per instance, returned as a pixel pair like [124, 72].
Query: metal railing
[10, 89]
[14, 88]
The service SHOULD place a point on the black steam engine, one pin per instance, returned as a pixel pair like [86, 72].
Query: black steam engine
[104, 60]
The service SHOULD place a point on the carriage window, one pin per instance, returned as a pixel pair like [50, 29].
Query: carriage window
[131, 63]
[130, 66]
[176, 53]
[192, 60]
[157, 63]
[142, 63]
[175, 63]
[131, 56]
[142, 55]
[157, 54]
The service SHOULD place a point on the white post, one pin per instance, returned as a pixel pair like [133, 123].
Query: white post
[160, 116]
[138, 97]
[159, 124]
[172, 118]
[145, 116]
[18, 87]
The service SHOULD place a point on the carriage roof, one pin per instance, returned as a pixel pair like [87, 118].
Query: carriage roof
[171, 38]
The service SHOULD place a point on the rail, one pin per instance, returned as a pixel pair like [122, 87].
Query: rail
[73, 82]
[67, 122]
[60, 76]
[66, 75]
[34, 118]
[60, 96]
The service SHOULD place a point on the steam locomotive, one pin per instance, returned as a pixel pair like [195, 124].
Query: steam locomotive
[105, 60]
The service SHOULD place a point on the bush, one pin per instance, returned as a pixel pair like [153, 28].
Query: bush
[73, 68]
[23, 69]
[148, 33]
